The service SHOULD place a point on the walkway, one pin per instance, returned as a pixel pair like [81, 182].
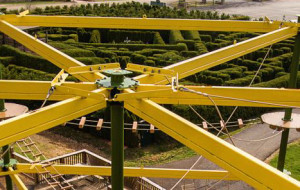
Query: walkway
[261, 150]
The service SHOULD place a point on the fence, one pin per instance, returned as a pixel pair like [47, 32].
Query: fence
[86, 157]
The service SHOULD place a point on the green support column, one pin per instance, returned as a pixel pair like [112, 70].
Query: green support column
[117, 140]
[6, 161]
[288, 112]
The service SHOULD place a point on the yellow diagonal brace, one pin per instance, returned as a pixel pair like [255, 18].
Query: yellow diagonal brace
[131, 172]
[92, 68]
[223, 96]
[58, 58]
[59, 78]
[79, 92]
[144, 23]
[217, 57]
[15, 178]
[37, 90]
[241, 164]
[33, 122]
[149, 70]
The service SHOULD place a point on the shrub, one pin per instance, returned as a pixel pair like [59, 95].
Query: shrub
[206, 38]
[79, 53]
[200, 47]
[149, 62]
[95, 37]
[6, 60]
[242, 81]
[90, 60]
[189, 53]
[190, 34]
[27, 60]
[137, 58]
[121, 36]
[73, 37]
[175, 36]
[158, 39]
[107, 54]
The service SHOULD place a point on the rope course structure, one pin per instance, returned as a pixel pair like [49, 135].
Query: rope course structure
[105, 85]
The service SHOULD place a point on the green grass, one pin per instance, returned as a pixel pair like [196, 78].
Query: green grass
[292, 161]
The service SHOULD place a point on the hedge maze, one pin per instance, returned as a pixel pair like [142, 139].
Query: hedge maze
[153, 48]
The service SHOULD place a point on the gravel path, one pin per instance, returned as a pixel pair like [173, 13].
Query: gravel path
[262, 150]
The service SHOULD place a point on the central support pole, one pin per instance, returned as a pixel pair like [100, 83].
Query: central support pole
[288, 112]
[117, 140]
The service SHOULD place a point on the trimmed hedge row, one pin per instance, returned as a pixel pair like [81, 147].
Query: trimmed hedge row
[27, 60]
[175, 36]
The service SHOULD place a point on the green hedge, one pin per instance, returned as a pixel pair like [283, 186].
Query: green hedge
[190, 34]
[79, 52]
[206, 38]
[95, 37]
[175, 36]
[120, 36]
[90, 60]
[28, 60]
[158, 39]
[200, 47]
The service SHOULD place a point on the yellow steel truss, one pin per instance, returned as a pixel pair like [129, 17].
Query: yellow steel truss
[79, 99]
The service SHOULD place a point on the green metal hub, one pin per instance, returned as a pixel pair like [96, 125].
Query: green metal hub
[12, 163]
[117, 80]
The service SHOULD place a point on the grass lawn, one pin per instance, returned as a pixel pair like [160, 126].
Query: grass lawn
[292, 162]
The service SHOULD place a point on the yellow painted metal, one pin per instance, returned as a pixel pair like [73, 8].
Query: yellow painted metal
[131, 171]
[51, 54]
[15, 178]
[239, 96]
[92, 68]
[194, 65]
[241, 164]
[149, 70]
[37, 90]
[26, 12]
[144, 23]
[59, 78]
[79, 92]
[42, 119]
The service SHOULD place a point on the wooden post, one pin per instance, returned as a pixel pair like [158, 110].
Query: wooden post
[204, 124]
[99, 124]
[152, 128]
[82, 122]
[134, 127]
[240, 123]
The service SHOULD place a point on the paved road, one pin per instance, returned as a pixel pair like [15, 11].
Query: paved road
[261, 150]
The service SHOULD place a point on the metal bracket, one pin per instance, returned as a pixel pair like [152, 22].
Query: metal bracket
[59, 78]
[149, 70]
[93, 68]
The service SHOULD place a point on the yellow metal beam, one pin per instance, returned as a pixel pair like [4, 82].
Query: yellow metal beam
[144, 23]
[92, 68]
[149, 70]
[42, 119]
[15, 178]
[217, 57]
[59, 78]
[223, 96]
[130, 172]
[37, 90]
[53, 55]
[79, 92]
[241, 164]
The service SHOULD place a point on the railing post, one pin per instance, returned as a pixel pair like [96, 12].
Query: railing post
[288, 112]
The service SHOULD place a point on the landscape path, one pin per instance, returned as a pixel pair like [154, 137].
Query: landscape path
[262, 150]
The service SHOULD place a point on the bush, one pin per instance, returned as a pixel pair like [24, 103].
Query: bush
[175, 36]
[206, 38]
[158, 39]
[245, 81]
[90, 60]
[6, 60]
[189, 53]
[150, 63]
[190, 34]
[107, 54]
[79, 53]
[200, 47]
[137, 58]
[27, 60]
[95, 37]
[121, 36]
